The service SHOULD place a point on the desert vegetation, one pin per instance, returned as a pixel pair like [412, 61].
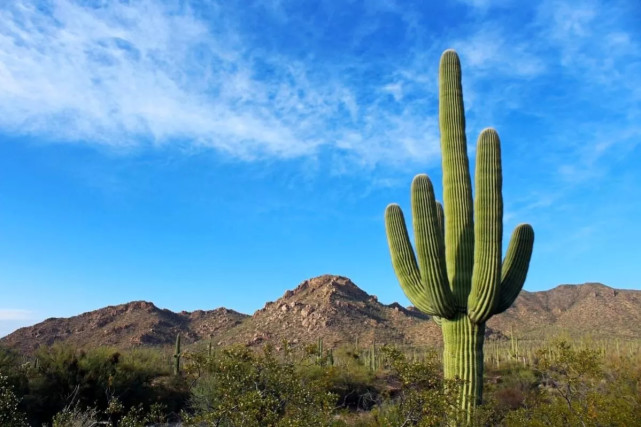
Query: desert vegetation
[556, 382]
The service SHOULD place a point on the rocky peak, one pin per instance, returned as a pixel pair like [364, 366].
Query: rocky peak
[327, 286]
[140, 305]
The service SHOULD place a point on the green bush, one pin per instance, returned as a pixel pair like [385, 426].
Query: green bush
[10, 415]
[355, 386]
[424, 397]
[240, 387]
[577, 389]
[67, 382]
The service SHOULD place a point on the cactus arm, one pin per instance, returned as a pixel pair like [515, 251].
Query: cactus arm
[430, 248]
[488, 228]
[403, 259]
[515, 266]
[457, 186]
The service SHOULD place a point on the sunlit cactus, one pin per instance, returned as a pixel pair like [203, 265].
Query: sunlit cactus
[456, 274]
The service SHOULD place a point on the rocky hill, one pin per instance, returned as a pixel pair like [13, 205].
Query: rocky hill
[577, 310]
[128, 325]
[334, 308]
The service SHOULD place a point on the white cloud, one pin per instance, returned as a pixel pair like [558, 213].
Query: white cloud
[590, 40]
[394, 89]
[121, 72]
[9, 314]
[124, 74]
[130, 73]
[599, 56]
[483, 5]
[489, 49]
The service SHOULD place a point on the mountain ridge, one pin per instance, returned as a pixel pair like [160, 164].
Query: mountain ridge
[336, 309]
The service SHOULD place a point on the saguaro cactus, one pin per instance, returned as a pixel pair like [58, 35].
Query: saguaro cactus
[177, 354]
[459, 277]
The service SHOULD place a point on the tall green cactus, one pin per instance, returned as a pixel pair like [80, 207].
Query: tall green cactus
[177, 354]
[459, 277]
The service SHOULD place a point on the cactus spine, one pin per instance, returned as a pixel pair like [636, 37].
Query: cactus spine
[459, 277]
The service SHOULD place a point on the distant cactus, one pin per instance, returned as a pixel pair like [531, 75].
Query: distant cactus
[177, 355]
[372, 358]
[459, 277]
[319, 348]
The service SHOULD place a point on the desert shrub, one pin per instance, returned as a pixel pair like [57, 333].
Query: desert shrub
[58, 382]
[562, 384]
[76, 417]
[10, 414]
[576, 389]
[423, 397]
[67, 382]
[240, 387]
[510, 387]
[355, 386]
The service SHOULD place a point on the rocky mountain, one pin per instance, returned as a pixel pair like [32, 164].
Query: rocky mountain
[591, 309]
[334, 308]
[128, 325]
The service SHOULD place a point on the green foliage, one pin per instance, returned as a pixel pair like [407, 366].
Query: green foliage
[240, 387]
[137, 416]
[69, 383]
[76, 417]
[575, 390]
[348, 378]
[424, 398]
[559, 384]
[10, 414]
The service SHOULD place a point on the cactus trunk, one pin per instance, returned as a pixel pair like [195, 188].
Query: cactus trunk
[459, 277]
[463, 358]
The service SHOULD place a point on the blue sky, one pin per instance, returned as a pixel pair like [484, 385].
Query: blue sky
[206, 154]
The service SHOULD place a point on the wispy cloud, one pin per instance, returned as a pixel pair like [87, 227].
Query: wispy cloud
[485, 4]
[8, 314]
[588, 37]
[488, 49]
[116, 73]
[597, 58]
[571, 69]
[124, 74]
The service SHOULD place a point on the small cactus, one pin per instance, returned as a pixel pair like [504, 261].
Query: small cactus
[177, 354]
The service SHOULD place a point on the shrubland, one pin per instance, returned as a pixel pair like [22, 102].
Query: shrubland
[548, 383]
